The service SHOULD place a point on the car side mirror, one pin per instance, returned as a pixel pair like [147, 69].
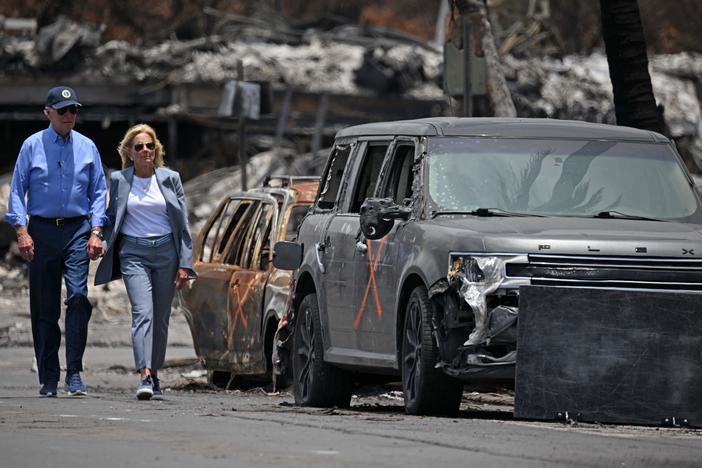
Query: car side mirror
[377, 216]
[287, 255]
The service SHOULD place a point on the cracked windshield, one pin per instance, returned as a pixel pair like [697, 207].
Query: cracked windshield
[559, 178]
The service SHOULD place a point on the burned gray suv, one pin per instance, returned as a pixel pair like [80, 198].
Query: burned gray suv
[422, 233]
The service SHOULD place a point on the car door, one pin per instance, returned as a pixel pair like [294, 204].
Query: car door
[342, 235]
[375, 272]
[315, 234]
[377, 275]
[249, 251]
[205, 298]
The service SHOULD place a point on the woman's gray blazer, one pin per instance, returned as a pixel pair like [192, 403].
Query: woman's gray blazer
[172, 190]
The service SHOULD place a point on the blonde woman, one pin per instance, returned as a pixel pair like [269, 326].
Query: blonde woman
[148, 244]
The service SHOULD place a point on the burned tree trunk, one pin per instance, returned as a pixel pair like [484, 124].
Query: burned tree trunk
[475, 12]
[634, 104]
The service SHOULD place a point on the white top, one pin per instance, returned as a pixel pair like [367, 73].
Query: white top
[146, 214]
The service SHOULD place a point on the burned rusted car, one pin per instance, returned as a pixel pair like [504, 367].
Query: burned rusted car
[234, 306]
[422, 232]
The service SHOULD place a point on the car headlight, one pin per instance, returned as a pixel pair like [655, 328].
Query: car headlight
[476, 269]
[475, 277]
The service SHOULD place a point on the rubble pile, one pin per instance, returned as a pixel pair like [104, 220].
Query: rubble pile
[110, 308]
[318, 62]
[350, 60]
[575, 87]
[7, 233]
[13, 277]
[205, 192]
[580, 88]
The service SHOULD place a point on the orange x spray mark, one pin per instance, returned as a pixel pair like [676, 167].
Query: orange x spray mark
[240, 300]
[372, 283]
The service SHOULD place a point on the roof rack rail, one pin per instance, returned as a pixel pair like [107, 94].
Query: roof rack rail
[286, 180]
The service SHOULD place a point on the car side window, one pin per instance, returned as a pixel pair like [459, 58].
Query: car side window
[237, 208]
[260, 238]
[242, 237]
[333, 175]
[368, 175]
[211, 235]
[221, 229]
[400, 178]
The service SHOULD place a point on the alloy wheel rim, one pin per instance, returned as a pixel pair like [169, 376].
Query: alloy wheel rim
[413, 355]
[306, 354]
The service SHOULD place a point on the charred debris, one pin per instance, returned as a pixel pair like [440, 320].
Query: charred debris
[311, 79]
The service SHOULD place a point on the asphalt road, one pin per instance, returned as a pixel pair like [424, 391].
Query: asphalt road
[198, 426]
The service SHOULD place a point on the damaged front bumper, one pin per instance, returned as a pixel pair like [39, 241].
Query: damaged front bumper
[475, 316]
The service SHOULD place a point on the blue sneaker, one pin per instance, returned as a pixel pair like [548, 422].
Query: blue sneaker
[158, 394]
[49, 390]
[145, 390]
[75, 385]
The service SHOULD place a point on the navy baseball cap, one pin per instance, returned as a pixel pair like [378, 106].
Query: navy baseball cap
[61, 96]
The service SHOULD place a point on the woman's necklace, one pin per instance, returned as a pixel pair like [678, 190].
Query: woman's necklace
[144, 183]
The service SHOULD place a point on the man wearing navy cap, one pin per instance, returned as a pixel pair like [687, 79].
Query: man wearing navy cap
[58, 181]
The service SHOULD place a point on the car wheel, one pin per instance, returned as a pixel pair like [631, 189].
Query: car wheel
[315, 382]
[427, 390]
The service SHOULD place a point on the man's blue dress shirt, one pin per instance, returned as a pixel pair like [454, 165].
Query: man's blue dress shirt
[60, 178]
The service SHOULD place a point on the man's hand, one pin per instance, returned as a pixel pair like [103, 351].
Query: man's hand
[181, 278]
[25, 244]
[95, 249]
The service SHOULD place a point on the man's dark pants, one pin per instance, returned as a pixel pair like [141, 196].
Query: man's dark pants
[59, 250]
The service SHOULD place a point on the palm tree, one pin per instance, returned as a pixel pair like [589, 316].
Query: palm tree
[634, 104]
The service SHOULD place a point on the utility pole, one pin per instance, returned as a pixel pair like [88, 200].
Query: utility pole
[474, 12]
[243, 159]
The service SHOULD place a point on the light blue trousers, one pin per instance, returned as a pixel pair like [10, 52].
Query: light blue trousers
[149, 276]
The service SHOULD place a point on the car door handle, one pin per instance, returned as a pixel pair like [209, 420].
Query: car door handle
[361, 247]
[317, 249]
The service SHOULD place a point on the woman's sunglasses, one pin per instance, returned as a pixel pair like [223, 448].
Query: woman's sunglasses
[140, 146]
[71, 109]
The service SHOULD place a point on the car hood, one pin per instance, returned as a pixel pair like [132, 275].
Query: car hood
[567, 235]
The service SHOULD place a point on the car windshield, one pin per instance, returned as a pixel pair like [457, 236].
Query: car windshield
[558, 177]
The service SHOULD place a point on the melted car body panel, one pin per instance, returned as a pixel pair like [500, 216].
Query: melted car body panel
[234, 306]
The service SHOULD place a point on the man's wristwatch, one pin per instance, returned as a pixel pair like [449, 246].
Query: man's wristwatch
[97, 232]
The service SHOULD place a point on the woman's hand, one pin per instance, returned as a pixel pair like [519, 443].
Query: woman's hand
[181, 278]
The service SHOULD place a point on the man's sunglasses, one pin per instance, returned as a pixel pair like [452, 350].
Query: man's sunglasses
[71, 109]
[140, 146]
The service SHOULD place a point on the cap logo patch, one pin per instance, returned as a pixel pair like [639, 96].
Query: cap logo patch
[66, 94]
